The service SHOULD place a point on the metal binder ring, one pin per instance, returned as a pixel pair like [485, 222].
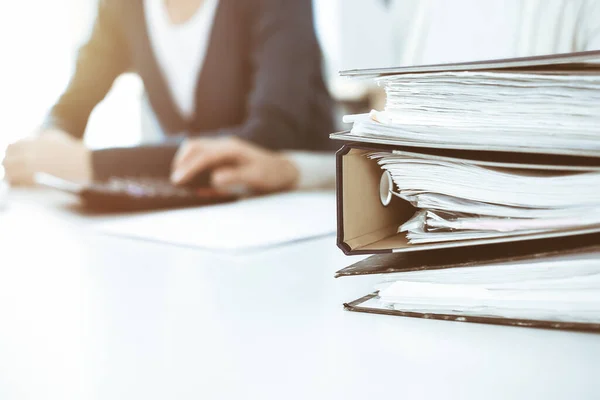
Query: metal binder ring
[386, 185]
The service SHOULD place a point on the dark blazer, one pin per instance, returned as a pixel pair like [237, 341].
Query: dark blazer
[261, 81]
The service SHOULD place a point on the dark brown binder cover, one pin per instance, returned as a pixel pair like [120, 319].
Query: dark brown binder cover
[365, 226]
[458, 258]
[360, 305]
[577, 61]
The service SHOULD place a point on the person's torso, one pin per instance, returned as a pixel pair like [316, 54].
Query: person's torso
[180, 48]
[221, 81]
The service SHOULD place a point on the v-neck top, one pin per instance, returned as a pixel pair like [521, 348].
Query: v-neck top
[261, 72]
[180, 49]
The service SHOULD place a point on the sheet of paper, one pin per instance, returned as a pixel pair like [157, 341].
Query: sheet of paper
[553, 112]
[245, 225]
[560, 288]
[459, 200]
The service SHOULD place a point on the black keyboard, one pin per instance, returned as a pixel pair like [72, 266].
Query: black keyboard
[128, 194]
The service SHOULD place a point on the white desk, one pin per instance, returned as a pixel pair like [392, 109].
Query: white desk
[88, 316]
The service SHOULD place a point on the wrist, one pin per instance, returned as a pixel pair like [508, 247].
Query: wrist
[315, 170]
[80, 168]
[86, 162]
[291, 173]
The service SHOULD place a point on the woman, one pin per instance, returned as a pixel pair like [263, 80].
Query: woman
[233, 84]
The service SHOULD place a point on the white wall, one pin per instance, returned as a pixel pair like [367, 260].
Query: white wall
[39, 40]
[353, 34]
[36, 40]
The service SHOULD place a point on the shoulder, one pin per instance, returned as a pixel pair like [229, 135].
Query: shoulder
[119, 10]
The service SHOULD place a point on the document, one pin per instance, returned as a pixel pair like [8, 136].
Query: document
[242, 226]
[458, 200]
[548, 112]
[558, 288]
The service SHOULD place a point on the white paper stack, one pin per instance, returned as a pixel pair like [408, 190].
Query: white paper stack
[556, 289]
[458, 200]
[493, 110]
[500, 161]
[541, 107]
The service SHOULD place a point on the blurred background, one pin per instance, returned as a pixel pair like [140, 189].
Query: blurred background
[39, 40]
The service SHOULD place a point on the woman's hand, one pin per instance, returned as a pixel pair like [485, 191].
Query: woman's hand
[54, 152]
[234, 164]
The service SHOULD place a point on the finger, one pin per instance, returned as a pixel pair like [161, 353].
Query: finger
[206, 156]
[186, 153]
[241, 179]
[18, 176]
[204, 161]
[191, 148]
[17, 169]
[13, 163]
[230, 176]
[15, 149]
[237, 180]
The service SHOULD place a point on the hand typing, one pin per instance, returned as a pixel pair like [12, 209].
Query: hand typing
[234, 163]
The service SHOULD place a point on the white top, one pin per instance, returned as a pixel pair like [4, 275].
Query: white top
[180, 49]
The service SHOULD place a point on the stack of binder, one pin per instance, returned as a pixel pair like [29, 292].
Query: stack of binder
[477, 189]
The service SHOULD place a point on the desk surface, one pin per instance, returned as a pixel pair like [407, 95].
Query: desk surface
[89, 316]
